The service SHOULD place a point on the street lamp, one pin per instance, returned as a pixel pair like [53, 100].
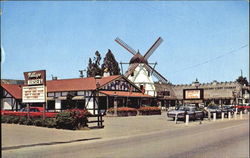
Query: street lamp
[234, 96]
[97, 96]
[115, 104]
[196, 83]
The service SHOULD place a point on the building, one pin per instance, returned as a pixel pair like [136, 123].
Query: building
[92, 93]
[221, 93]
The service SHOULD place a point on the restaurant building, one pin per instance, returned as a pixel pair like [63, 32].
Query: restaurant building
[220, 93]
[92, 93]
[101, 93]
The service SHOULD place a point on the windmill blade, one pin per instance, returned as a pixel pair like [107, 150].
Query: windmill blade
[131, 69]
[153, 48]
[156, 74]
[124, 45]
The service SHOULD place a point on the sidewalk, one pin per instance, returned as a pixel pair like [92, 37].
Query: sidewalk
[14, 136]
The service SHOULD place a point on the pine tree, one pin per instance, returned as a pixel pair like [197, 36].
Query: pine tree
[94, 67]
[90, 68]
[242, 80]
[111, 64]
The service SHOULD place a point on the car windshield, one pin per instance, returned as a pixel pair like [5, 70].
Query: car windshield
[226, 107]
[213, 107]
[183, 108]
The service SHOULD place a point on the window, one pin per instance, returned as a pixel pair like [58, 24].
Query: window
[58, 94]
[50, 94]
[132, 74]
[64, 93]
[81, 93]
[148, 73]
[141, 87]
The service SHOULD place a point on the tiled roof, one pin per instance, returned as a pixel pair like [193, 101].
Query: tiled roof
[77, 84]
[13, 89]
[124, 94]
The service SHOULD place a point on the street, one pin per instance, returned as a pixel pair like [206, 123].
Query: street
[208, 140]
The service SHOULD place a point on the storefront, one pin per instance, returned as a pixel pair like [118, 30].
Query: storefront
[92, 93]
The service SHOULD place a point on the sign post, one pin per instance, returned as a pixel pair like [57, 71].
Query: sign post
[34, 90]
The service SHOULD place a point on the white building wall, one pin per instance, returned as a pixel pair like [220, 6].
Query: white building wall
[141, 78]
[7, 102]
[89, 104]
[58, 104]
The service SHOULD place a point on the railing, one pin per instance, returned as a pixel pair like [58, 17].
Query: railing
[98, 120]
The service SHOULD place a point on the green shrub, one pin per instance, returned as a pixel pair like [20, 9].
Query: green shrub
[64, 120]
[15, 119]
[28, 122]
[10, 119]
[38, 122]
[4, 118]
[22, 120]
[50, 122]
[72, 119]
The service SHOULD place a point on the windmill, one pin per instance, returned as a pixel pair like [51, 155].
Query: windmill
[140, 70]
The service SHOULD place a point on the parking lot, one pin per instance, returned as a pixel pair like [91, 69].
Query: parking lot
[19, 135]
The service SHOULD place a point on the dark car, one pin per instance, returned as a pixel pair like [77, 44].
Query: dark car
[182, 111]
[213, 109]
[228, 109]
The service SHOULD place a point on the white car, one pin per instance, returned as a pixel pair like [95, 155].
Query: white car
[182, 111]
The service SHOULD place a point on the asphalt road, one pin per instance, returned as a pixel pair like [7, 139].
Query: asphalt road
[226, 139]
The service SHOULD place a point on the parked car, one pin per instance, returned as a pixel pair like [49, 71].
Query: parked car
[227, 109]
[34, 111]
[182, 111]
[243, 107]
[213, 109]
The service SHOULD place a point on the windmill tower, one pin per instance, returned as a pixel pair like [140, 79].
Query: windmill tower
[140, 71]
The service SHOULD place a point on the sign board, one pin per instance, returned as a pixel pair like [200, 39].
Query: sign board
[33, 94]
[192, 94]
[35, 77]
[192, 101]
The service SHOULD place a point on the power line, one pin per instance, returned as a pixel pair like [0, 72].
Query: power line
[212, 59]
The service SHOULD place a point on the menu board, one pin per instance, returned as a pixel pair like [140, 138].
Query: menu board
[33, 94]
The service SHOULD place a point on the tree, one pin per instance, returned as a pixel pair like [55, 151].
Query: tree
[242, 80]
[111, 64]
[94, 66]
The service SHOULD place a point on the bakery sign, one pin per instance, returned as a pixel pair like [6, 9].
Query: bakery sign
[34, 90]
[33, 94]
[35, 77]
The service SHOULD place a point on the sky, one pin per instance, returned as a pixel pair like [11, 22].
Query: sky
[207, 40]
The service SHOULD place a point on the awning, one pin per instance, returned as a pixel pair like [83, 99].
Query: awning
[125, 94]
[50, 98]
[78, 98]
[62, 98]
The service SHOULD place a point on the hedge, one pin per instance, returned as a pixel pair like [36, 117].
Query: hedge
[149, 110]
[69, 119]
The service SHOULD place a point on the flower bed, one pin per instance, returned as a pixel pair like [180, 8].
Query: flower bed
[69, 119]
[148, 110]
[123, 111]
